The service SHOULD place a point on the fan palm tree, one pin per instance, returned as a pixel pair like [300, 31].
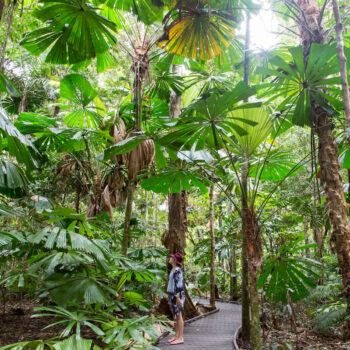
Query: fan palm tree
[315, 65]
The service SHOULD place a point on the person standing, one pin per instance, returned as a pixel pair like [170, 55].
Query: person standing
[176, 296]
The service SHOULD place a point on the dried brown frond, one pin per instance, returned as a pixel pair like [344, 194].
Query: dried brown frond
[115, 182]
[94, 206]
[74, 172]
[106, 203]
[118, 134]
[139, 160]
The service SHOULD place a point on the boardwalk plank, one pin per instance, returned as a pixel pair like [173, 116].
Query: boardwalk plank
[212, 332]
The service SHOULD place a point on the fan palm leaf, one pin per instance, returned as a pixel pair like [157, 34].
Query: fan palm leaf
[255, 133]
[12, 178]
[14, 142]
[298, 85]
[75, 32]
[199, 33]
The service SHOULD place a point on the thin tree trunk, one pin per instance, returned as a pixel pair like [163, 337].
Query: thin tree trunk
[139, 59]
[2, 6]
[330, 174]
[220, 215]
[319, 240]
[343, 74]
[233, 279]
[56, 110]
[244, 190]
[8, 34]
[128, 214]
[155, 218]
[146, 217]
[306, 236]
[245, 277]
[77, 199]
[254, 255]
[224, 265]
[342, 62]
[223, 282]
[212, 247]
[23, 102]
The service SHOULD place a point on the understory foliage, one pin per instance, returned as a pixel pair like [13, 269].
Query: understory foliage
[109, 108]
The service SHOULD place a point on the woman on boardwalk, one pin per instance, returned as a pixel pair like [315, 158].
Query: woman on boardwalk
[176, 296]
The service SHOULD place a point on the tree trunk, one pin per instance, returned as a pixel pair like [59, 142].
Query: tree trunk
[23, 102]
[327, 152]
[77, 199]
[233, 279]
[128, 214]
[146, 218]
[175, 238]
[245, 277]
[155, 218]
[306, 236]
[212, 247]
[254, 255]
[244, 210]
[343, 75]
[11, 10]
[319, 240]
[2, 6]
[220, 215]
[342, 62]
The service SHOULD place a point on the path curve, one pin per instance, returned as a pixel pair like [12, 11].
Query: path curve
[215, 331]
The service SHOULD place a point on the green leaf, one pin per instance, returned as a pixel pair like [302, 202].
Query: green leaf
[122, 147]
[75, 32]
[345, 159]
[276, 167]
[174, 180]
[145, 10]
[77, 89]
[257, 124]
[74, 342]
[159, 156]
[297, 85]
[286, 273]
[7, 86]
[17, 144]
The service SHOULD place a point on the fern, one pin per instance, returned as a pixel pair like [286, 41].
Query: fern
[60, 238]
[329, 316]
[323, 293]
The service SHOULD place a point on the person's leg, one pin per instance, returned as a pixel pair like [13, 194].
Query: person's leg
[180, 330]
[180, 327]
[175, 328]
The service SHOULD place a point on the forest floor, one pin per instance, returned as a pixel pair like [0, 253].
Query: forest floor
[305, 337]
[17, 325]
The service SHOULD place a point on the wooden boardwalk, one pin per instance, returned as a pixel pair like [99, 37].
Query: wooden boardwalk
[214, 332]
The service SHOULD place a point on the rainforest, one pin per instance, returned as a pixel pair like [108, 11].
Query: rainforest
[170, 163]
